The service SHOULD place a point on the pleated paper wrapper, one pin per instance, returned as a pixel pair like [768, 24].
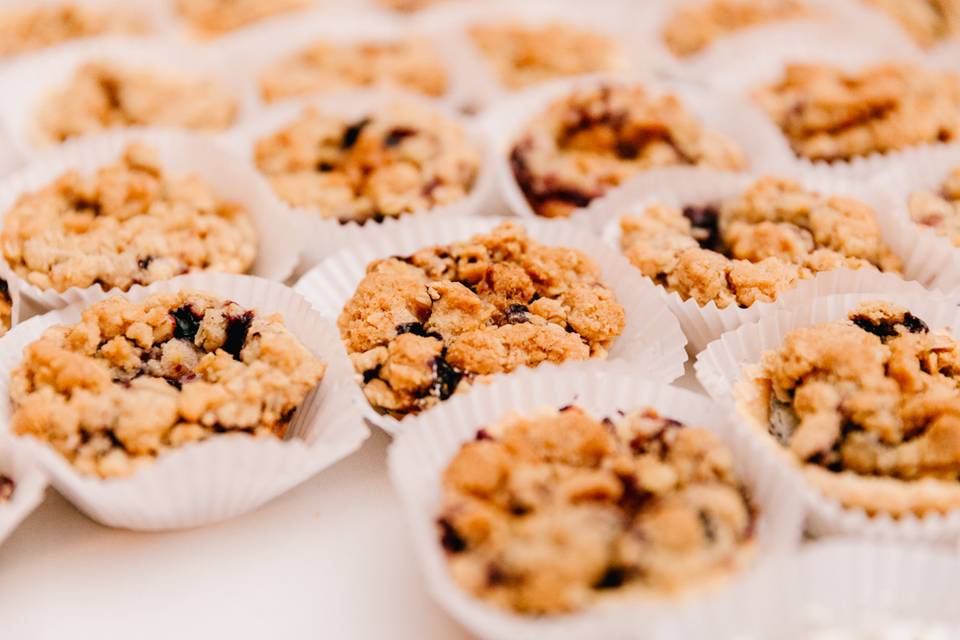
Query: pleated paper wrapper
[29, 487]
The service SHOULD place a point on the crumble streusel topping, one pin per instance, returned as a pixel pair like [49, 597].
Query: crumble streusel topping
[422, 327]
[693, 28]
[928, 22]
[939, 210]
[753, 247]
[133, 380]
[102, 95]
[412, 63]
[594, 139]
[28, 29]
[130, 223]
[556, 511]
[397, 160]
[829, 114]
[211, 18]
[7, 487]
[524, 55]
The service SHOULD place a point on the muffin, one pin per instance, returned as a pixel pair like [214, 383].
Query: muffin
[595, 138]
[412, 64]
[867, 406]
[400, 159]
[420, 328]
[928, 22]
[694, 27]
[23, 30]
[130, 223]
[754, 246]
[939, 210]
[104, 95]
[558, 511]
[212, 18]
[829, 114]
[524, 55]
[132, 381]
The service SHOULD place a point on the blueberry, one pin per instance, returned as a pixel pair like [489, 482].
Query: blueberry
[237, 328]
[352, 133]
[186, 323]
[449, 538]
[397, 135]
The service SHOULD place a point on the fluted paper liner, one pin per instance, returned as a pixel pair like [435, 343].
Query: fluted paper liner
[651, 344]
[226, 475]
[421, 453]
[732, 358]
[30, 485]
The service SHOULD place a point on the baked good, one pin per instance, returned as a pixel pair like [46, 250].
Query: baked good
[524, 55]
[829, 114]
[130, 223]
[424, 326]
[939, 210]
[754, 246]
[410, 63]
[928, 22]
[595, 138]
[7, 487]
[868, 406]
[558, 511]
[103, 95]
[133, 380]
[27, 29]
[212, 18]
[399, 159]
[694, 27]
[6, 307]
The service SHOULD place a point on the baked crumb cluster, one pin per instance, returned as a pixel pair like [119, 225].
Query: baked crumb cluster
[877, 395]
[411, 63]
[829, 114]
[103, 95]
[129, 223]
[523, 55]
[28, 29]
[929, 22]
[557, 511]
[133, 380]
[422, 327]
[7, 488]
[211, 18]
[753, 247]
[595, 138]
[939, 210]
[400, 159]
[694, 27]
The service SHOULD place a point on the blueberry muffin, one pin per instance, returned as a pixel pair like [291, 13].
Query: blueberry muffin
[694, 27]
[27, 29]
[868, 406]
[212, 18]
[754, 246]
[411, 63]
[399, 159]
[939, 210]
[829, 114]
[421, 327]
[593, 139]
[523, 55]
[558, 511]
[928, 22]
[130, 223]
[131, 381]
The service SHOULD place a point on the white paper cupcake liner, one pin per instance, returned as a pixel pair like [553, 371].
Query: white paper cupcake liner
[226, 475]
[29, 489]
[743, 123]
[727, 360]
[180, 153]
[651, 344]
[320, 237]
[419, 456]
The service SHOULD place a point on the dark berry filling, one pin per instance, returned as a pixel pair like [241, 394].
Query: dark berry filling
[705, 221]
[144, 263]
[417, 329]
[888, 328]
[352, 134]
[446, 378]
[186, 323]
[516, 314]
[449, 538]
[237, 328]
[397, 135]
[612, 578]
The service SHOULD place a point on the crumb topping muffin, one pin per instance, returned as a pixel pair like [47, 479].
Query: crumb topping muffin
[828, 114]
[29, 29]
[424, 326]
[753, 247]
[928, 22]
[939, 210]
[523, 55]
[693, 28]
[102, 95]
[397, 160]
[129, 223]
[131, 380]
[412, 63]
[558, 511]
[870, 406]
[7, 487]
[593, 139]
[211, 18]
